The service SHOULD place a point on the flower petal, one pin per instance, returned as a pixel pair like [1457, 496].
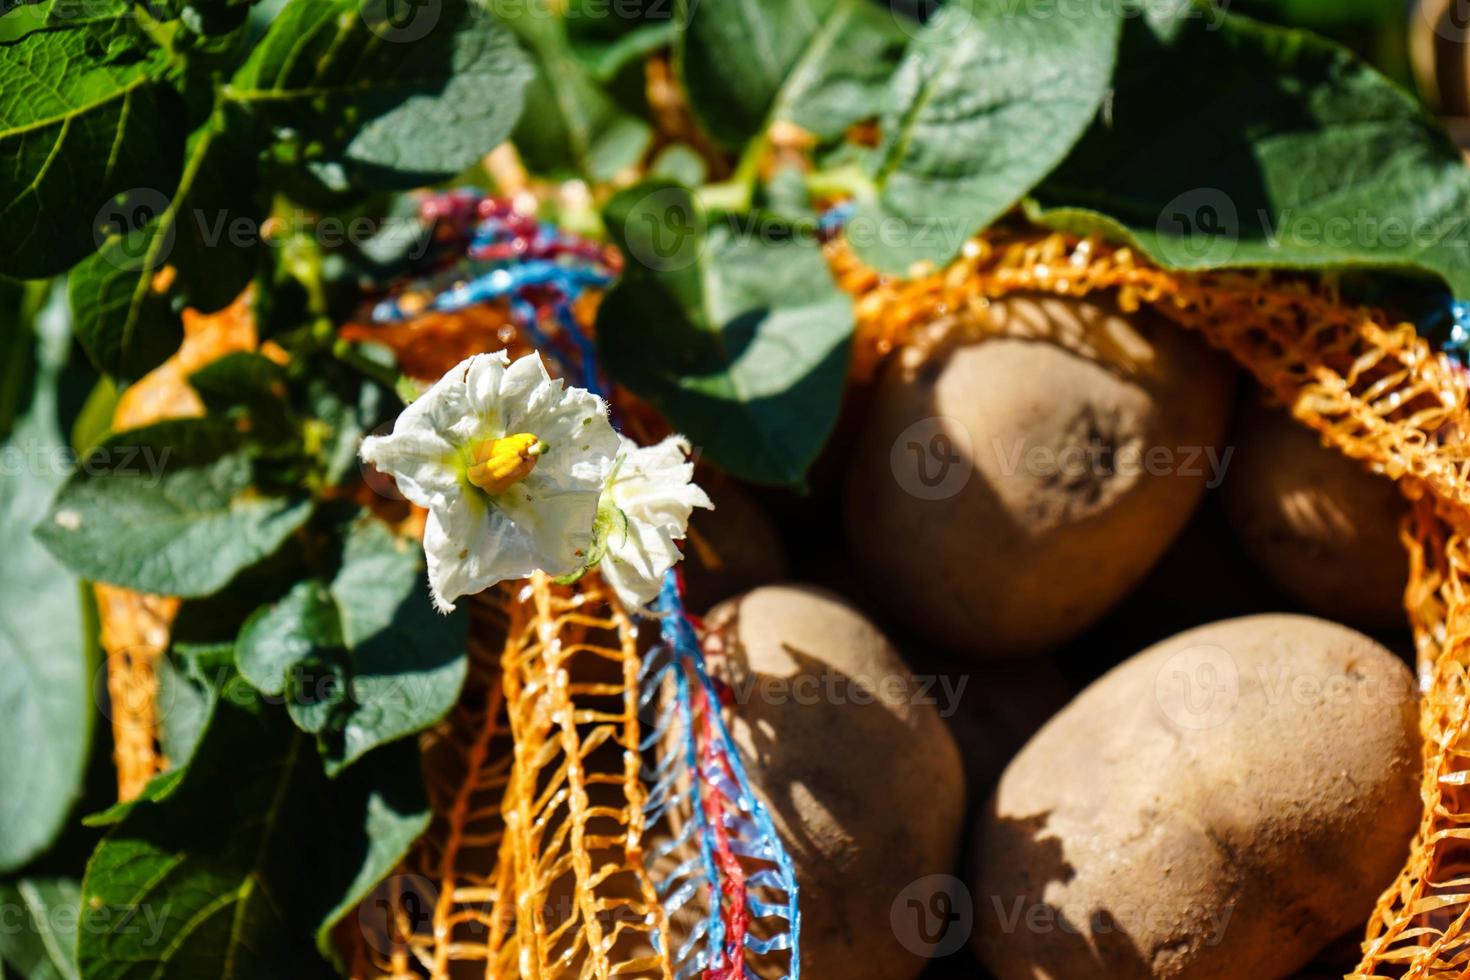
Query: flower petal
[419, 459]
[653, 489]
[470, 546]
[484, 380]
[573, 423]
[553, 526]
[636, 561]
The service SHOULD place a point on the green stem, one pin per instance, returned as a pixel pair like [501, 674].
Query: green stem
[738, 193]
[160, 33]
[847, 180]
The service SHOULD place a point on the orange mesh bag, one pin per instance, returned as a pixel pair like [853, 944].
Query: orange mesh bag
[534, 866]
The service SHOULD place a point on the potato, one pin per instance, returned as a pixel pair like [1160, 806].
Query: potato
[1007, 492]
[742, 540]
[1322, 528]
[1221, 805]
[861, 777]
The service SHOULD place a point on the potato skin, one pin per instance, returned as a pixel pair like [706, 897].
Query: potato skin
[1322, 528]
[867, 797]
[1180, 830]
[1034, 548]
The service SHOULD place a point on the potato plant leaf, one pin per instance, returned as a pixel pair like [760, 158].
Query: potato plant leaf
[606, 39]
[1282, 150]
[83, 118]
[170, 509]
[989, 98]
[169, 894]
[206, 227]
[742, 341]
[396, 101]
[45, 675]
[39, 939]
[19, 304]
[821, 64]
[363, 659]
[571, 125]
[280, 636]
[251, 389]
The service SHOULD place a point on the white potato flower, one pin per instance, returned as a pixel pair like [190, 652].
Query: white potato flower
[511, 466]
[644, 513]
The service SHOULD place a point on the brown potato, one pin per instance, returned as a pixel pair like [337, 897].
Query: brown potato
[861, 777]
[1222, 805]
[1322, 528]
[1007, 492]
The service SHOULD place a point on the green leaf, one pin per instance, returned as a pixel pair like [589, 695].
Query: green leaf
[41, 916]
[382, 810]
[407, 662]
[240, 379]
[1281, 150]
[249, 388]
[398, 102]
[212, 17]
[20, 302]
[364, 659]
[129, 325]
[170, 895]
[821, 64]
[94, 419]
[170, 509]
[46, 707]
[343, 406]
[571, 124]
[1323, 14]
[680, 163]
[987, 101]
[83, 118]
[278, 637]
[185, 702]
[741, 341]
[608, 38]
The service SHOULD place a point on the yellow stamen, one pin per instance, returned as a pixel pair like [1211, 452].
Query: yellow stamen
[496, 465]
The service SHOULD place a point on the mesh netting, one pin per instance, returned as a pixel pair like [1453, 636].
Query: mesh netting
[134, 634]
[724, 878]
[534, 866]
[1373, 389]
